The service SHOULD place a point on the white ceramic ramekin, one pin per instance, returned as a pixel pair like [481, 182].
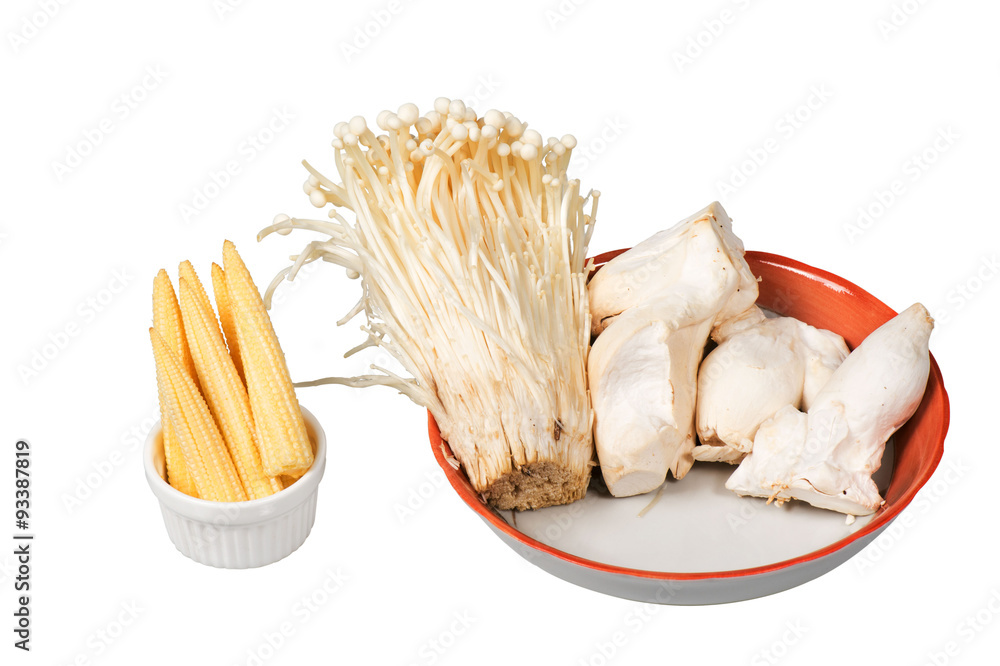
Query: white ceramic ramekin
[238, 535]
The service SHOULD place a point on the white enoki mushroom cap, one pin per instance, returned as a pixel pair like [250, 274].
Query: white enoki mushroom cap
[514, 127]
[281, 218]
[451, 126]
[495, 119]
[408, 114]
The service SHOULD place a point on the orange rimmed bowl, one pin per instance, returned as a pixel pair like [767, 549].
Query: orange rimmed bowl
[699, 543]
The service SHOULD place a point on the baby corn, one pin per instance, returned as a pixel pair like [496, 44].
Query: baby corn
[201, 444]
[224, 391]
[186, 272]
[281, 431]
[226, 317]
[167, 321]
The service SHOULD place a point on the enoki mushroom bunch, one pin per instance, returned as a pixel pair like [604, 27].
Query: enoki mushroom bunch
[470, 241]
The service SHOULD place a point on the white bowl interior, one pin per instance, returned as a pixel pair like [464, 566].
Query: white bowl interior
[695, 526]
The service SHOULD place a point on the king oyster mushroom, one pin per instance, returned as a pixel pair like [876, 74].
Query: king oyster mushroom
[760, 365]
[654, 307]
[696, 260]
[827, 455]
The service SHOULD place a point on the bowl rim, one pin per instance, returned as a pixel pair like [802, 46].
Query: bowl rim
[882, 518]
[236, 513]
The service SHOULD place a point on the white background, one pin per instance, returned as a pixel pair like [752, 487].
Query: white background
[669, 102]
